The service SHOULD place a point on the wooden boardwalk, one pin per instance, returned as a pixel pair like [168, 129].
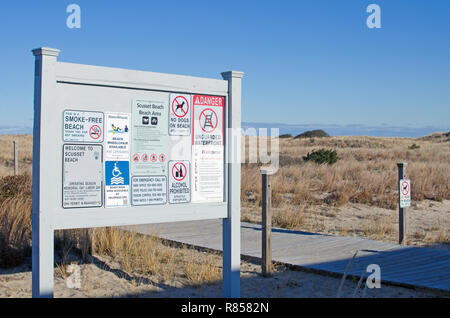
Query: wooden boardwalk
[402, 265]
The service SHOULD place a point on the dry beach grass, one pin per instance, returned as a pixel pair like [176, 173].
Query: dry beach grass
[355, 196]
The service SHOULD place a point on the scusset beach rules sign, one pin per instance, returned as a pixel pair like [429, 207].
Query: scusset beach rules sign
[208, 148]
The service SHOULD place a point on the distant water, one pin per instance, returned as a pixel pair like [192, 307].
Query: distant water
[349, 130]
[16, 130]
[333, 130]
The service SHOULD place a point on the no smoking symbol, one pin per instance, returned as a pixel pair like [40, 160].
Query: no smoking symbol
[405, 188]
[179, 171]
[180, 106]
[153, 158]
[208, 120]
[95, 132]
[135, 157]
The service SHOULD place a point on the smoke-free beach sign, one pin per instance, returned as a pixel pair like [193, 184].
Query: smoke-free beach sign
[82, 126]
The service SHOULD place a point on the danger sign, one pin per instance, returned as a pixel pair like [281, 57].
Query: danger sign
[405, 193]
[180, 115]
[179, 182]
[83, 126]
[208, 148]
[208, 123]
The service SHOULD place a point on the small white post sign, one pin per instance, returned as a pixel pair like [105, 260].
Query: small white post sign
[405, 193]
[117, 147]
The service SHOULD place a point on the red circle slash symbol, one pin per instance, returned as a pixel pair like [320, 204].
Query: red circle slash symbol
[405, 188]
[162, 157]
[144, 157]
[135, 157]
[180, 106]
[208, 120]
[153, 158]
[179, 171]
[95, 132]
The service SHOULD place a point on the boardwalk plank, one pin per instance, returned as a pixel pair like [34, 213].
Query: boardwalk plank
[406, 265]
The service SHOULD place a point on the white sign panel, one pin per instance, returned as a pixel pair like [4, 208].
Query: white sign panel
[405, 193]
[82, 176]
[149, 190]
[208, 148]
[117, 136]
[150, 137]
[179, 182]
[82, 126]
[180, 115]
[117, 183]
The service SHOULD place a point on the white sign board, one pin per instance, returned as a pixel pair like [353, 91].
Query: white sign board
[405, 193]
[82, 126]
[117, 136]
[149, 190]
[86, 176]
[208, 149]
[180, 115]
[179, 182]
[83, 176]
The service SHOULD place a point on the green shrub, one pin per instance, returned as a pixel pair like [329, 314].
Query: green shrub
[414, 146]
[322, 156]
[318, 133]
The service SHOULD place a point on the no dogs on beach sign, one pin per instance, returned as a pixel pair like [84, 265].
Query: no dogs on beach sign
[405, 193]
[180, 115]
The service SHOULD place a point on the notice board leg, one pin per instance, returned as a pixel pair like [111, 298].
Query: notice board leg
[42, 227]
[232, 224]
[43, 259]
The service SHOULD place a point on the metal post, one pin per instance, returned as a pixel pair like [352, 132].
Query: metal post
[266, 221]
[401, 211]
[231, 226]
[16, 158]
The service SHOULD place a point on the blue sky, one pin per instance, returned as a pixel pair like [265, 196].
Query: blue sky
[306, 62]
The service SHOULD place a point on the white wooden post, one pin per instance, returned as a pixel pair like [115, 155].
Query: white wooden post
[16, 158]
[231, 226]
[42, 225]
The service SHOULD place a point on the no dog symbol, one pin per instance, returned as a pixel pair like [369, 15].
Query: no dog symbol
[405, 188]
[180, 106]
